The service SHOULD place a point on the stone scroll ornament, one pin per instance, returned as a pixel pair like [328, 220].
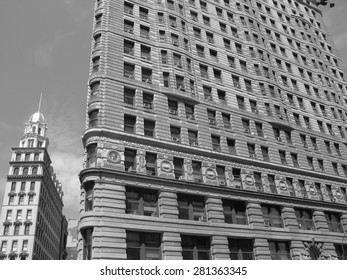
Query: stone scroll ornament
[338, 195]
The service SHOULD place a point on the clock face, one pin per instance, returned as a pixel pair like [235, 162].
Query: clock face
[114, 156]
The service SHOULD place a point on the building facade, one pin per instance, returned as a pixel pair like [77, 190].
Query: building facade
[72, 238]
[214, 130]
[32, 224]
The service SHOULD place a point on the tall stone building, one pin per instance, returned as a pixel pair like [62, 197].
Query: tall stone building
[215, 130]
[32, 225]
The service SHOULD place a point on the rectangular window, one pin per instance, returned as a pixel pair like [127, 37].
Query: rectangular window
[151, 160]
[195, 247]
[129, 123]
[272, 216]
[193, 137]
[304, 219]
[240, 249]
[129, 159]
[234, 212]
[178, 167]
[143, 245]
[265, 153]
[149, 128]
[231, 146]
[279, 250]
[334, 222]
[191, 207]
[141, 201]
[129, 96]
[215, 143]
[175, 133]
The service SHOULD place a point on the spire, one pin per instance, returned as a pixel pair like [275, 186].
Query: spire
[38, 110]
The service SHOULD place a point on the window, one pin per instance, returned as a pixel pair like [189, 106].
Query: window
[29, 214]
[144, 32]
[265, 153]
[279, 250]
[240, 249]
[14, 246]
[6, 230]
[341, 251]
[89, 197]
[294, 159]
[304, 219]
[175, 133]
[245, 125]
[204, 71]
[98, 20]
[145, 52]
[93, 118]
[272, 216]
[149, 127]
[217, 75]
[178, 167]
[129, 70]
[9, 215]
[166, 79]
[283, 157]
[129, 47]
[129, 123]
[251, 150]
[211, 117]
[141, 201]
[151, 163]
[193, 137]
[129, 159]
[91, 155]
[191, 207]
[3, 246]
[143, 245]
[129, 96]
[253, 105]
[221, 96]
[25, 171]
[87, 235]
[146, 75]
[235, 212]
[173, 106]
[241, 102]
[231, 146]
[226, 120]
[215, 143]
[195, 247]
[334, 222]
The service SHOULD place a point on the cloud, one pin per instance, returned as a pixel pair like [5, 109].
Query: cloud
[67, 166]
[44, 53]
[78, 10]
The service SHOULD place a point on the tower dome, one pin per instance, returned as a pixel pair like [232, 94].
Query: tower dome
[37, 117]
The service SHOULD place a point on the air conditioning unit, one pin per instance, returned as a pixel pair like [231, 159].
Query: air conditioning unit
[210, 40]
[203, 219]
[194, 144]
[238, 85]
[172, 112]
[176, 139]
[279, 138]
[181, 88]
[181, 178]
[236, 35]
[147, 105]
[173, 24]
[146, 57]
[300, 226]
[132, 169]
[247, 130]
[130, 30]
[267, 224]
[252, 156]
[130, 12]
[191, 117]
[155, 214]
[179, 64]
[221, 182]
[232, 65]
[194, 19]
[130, 76]
[175, 43]
[211, 121]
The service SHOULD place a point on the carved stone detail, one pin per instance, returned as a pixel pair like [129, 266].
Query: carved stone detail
[265, 181]
[248, 181]
[281, 185]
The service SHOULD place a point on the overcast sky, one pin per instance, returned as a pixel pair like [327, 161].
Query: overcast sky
[45, 46]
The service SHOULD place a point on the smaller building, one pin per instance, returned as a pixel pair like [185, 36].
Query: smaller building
[31, 220]
[72, 238]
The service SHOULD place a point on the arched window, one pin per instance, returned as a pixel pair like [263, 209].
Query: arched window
[33, 129]
[25, 171]
[34, 172]
[39, 131]
[16, 171]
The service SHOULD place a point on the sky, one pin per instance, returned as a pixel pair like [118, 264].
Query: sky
[45, 47]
